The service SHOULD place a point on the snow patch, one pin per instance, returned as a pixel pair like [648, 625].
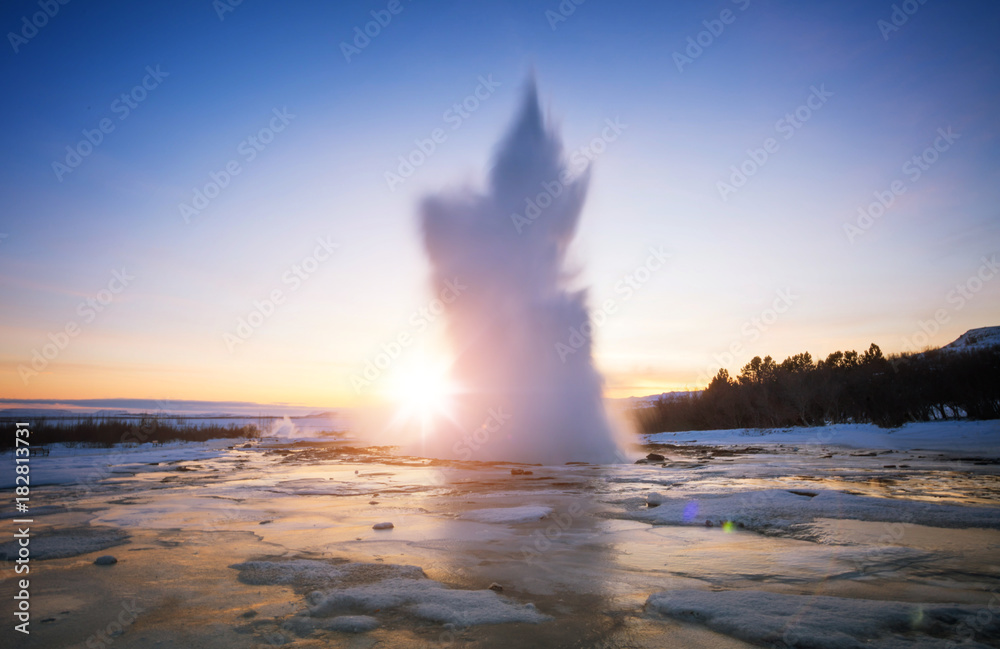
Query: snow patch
[821, 622]
[71, 542]
[346, 591]
[425, 599]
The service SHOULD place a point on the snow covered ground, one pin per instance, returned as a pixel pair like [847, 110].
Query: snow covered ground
[954, 436]
[835, 537]
[83, 465]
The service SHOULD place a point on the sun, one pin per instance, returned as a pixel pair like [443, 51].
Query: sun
[423, 393]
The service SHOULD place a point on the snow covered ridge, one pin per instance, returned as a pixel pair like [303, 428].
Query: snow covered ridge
[974, 339]
[340, 594]
[821, 622]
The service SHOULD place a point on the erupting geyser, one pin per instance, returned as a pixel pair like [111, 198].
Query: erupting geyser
[518, 398]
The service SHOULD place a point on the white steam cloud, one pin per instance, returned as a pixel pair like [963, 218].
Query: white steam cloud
[519, 400]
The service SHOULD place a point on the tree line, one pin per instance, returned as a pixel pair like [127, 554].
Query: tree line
[846, 387]
[108, 431]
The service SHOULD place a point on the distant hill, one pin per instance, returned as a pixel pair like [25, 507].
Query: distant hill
[173, 408]
[645, 402]
[974, 339]
[36, 412]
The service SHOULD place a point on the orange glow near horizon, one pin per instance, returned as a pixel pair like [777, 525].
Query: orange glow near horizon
[420, 389]
[417, 380]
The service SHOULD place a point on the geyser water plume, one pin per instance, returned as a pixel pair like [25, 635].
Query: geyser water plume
[283, 428]
[518, 400]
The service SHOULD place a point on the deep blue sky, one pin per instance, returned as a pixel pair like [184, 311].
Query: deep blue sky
[323, 176]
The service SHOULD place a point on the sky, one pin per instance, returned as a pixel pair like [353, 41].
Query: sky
[219, 201]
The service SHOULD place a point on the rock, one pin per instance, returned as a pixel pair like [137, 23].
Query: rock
[372, 502]
[708, 524]
[496, 587]
[654, 499]
[655, 457]
[248, 614]
[268, 521]
[382, 526]
[517, 471]
[105, 560]
[248, 445]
